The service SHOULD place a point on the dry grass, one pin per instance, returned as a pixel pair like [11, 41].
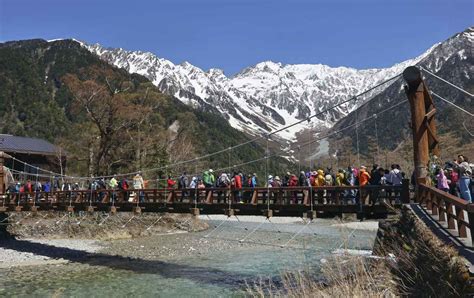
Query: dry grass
[423, 267]
[341, 277]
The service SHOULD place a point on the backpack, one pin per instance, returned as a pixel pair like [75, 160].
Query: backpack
[222, 181]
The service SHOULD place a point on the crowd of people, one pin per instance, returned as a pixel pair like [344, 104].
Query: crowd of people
[343, 177]
[454, 177]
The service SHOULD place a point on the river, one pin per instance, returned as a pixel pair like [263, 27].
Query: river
[218, 262]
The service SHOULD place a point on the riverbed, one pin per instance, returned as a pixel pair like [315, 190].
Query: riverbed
[221, 261]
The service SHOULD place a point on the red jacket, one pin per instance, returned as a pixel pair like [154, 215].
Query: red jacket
[293, 181]
[171, 183]
[238, 181]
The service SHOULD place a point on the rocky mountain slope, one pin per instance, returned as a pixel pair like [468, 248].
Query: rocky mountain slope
[107, 119]
[269, 95]
[453, 60]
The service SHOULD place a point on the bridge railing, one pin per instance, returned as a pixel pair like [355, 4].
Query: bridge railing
[451, 210]
[334, 195]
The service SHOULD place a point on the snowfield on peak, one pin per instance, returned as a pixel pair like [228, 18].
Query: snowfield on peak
[269, 96]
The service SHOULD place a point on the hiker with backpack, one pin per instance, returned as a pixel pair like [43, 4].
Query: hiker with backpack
[222, 182]
[208, 180]
[251, 183]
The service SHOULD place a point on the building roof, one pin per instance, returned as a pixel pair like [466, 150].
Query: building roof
[14, 144]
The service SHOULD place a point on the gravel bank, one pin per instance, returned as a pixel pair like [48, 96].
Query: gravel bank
[11, 258]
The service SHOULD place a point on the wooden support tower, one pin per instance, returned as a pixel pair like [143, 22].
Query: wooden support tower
[425, 139]
[3, 186]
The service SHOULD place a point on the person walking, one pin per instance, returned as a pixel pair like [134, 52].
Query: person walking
[465, 173]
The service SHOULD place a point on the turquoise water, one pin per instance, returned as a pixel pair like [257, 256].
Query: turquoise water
[221, 269]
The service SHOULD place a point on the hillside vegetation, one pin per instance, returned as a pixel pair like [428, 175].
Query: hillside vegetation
[107, 120]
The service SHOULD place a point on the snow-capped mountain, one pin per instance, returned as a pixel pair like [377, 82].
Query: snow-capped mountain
[453, 60]
[269, 95]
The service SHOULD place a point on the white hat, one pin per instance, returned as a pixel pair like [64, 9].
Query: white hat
[270, 176]
[277, 178]
[210, 171]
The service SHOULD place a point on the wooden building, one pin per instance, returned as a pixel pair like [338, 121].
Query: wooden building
[36, 152]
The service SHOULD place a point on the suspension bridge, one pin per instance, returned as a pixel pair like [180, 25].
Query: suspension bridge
[450, 212]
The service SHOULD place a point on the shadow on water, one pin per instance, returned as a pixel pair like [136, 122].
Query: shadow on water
[4, 234]
[198, 274]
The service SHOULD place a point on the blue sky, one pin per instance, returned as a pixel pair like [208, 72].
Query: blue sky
[232, 34]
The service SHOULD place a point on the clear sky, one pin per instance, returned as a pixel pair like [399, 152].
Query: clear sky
[231, 34]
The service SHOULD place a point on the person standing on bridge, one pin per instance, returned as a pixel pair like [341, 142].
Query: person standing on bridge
[364, 178]
[170, 183]
[113, 186]
[302, 179]
[465, 173]
[193, 186]
[208, 180]
[293, 183]
[442, 181]
[237, 185]
[139, 185]
[375, 177]
[222, 182]
[453, 179]
[123, 186]
[183, 184]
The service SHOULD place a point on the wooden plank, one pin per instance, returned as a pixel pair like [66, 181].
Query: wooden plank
[461, 223]
[430, 114]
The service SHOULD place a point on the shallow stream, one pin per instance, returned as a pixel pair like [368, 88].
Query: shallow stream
[219, 262]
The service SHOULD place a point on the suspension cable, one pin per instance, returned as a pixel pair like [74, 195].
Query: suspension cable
[376, 138]
[221, 151]
[357, 137]
[266, 177]
[447, 82]
[451, 103]
[249, 141]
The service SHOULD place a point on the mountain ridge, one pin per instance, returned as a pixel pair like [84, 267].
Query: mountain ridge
[260, 98]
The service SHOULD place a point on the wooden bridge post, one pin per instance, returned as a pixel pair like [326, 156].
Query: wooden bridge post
[3, 187]
[405, 193]
[422, 122]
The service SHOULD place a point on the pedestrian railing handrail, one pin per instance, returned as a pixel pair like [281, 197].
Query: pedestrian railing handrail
[449, 209]
[303, 194]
